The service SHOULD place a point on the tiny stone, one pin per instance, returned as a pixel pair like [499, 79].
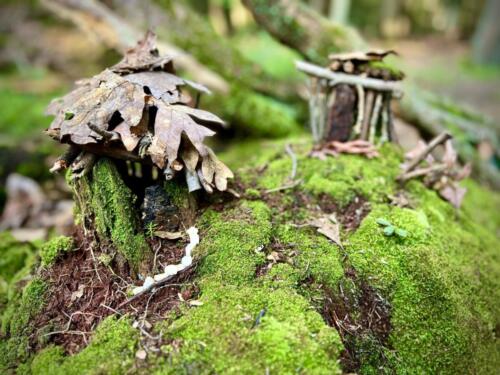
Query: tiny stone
[137, 290]
[180, 267]
[160, 276]
[186, 261]
[148, 282]
[141, 354]
[171, 270]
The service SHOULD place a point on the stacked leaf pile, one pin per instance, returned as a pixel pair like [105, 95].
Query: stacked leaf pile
[136, 111]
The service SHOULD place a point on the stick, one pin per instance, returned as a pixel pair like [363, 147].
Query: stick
[384, 129]
[83, 164]
[391, 131]
[107, 135]
[443, 137]
[365, 129]
[421, 172]
[361, 109]
[374, 117]
[192, 181]
[313, 103]
[285, 187]
[66, 159]
[336, 78]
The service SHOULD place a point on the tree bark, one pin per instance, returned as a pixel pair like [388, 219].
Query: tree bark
[301, 28]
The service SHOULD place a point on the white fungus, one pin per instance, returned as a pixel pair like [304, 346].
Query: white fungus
[173, 269]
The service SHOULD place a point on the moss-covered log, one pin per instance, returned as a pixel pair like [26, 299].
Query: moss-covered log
[274, 295]
[304, 29]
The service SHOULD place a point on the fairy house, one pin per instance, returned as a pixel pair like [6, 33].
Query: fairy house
[139, 111]
[350, 99]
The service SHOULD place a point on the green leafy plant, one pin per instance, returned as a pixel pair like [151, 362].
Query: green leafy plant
[390, 229]
[150, 229]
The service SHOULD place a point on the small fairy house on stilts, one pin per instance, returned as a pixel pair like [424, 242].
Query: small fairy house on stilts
[350, 101]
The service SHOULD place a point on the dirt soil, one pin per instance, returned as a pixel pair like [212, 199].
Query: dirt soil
[360, 315]
[84, 291]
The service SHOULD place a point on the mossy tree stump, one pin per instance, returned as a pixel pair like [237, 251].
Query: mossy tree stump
[110, 208]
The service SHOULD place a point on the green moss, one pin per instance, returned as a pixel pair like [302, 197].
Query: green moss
[16, 323]
[252, 193]
[395, 72]
[105, 197]
[342, 178]
[441, 281]
[111, 351]
[316, 257]
[435, 279]
[50, 250]
[13, 257]
[221, 335]
[242, 107]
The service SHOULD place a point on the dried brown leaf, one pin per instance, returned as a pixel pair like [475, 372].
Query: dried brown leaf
[453, 194]
[450, 156]
[327, 228]
[144, 56]
[170, 124]
[96, 106]
[190, 156]
[162, 85]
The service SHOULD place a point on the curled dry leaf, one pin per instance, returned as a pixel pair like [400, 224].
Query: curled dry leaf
[328, 228]
[138, 106]
[454, 194]
[357, 147]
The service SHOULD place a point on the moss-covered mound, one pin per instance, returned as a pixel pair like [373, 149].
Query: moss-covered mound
[274, 296]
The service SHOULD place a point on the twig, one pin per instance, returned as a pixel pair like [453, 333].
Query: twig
[421, 172]
[361, 110]
[66, 159]
[375, 116]
[107, 135]
[285, 187]
[111, 309]
[365, 129]
[290, 152]
[156, 254]
[428, 149]
[350, 79]
[83, 164]
[94, 261]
